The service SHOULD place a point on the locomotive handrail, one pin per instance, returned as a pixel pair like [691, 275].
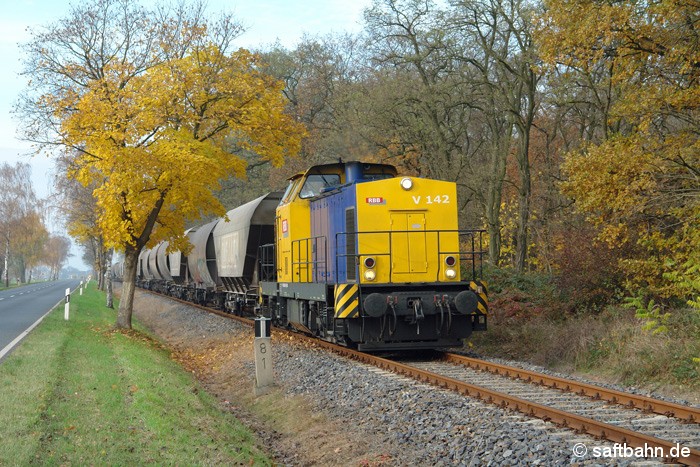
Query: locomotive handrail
[313, 243]
[268, 262]
[315, 265]
[465, 256]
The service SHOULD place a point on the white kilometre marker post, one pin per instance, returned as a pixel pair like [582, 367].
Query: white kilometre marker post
[66, 312]
[263, 356]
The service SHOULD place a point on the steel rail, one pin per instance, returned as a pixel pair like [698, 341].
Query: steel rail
[565, 419]
[644, 403]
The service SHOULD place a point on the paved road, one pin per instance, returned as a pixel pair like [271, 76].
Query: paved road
[23, 306]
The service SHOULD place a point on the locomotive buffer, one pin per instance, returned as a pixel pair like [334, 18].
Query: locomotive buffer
[263, 356]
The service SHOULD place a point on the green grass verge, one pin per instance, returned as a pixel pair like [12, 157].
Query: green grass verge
[77, 393]
[532, 319]
[612, 344]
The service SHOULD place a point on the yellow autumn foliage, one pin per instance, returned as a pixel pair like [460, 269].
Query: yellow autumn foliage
[641, 183]
[156, 144]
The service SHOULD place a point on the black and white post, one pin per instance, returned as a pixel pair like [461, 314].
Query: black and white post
[81, 287]
[66, 311]
[263, 356]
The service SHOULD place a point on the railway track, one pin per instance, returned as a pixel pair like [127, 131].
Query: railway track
[656, 426]
[635, 420]
[621, 424]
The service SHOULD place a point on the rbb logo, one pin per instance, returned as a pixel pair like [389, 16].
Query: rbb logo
[375, 200]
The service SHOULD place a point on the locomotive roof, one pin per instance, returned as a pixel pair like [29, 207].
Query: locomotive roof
[372, 167]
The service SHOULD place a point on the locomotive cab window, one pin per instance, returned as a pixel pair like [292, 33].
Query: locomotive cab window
[316, 183]
[291, 188]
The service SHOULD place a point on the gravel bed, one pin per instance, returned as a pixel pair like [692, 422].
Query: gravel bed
[418, 424]
[427, 425]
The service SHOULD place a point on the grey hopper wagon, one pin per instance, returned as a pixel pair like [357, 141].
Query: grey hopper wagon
[201, 261]
[237, 240]
[161, 260]
[178, 262]
[143, 269]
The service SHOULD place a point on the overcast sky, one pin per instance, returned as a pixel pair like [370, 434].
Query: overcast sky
[266, 21]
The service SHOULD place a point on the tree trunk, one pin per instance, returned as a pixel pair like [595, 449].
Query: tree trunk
[21, 269]
[521, 239]
[131, 258]
[108, 277]
[494, 189]
[108, 286]
[493, 228]
[99, 263]
[525, 129]
[7, 255]
[99, 271]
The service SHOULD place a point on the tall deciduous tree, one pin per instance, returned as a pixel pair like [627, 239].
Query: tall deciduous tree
[17, 201]
[78, 206]
[30, 236]
[320, 76]
[155, 105]
[503, 55]
[424, 103]
[456, 88]
[56, 252]
[640, 183]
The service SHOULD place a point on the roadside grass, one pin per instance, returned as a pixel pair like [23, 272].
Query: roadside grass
[78, 393]
[15, 285]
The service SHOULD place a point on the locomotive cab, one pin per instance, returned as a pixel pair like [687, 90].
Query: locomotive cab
[294, 240]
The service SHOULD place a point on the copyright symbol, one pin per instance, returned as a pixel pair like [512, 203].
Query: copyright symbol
[580, 450]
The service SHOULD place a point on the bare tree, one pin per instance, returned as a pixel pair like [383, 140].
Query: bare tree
[501, 31]
[319, 75]
[57, 251]
[442, 91]
[79, 209]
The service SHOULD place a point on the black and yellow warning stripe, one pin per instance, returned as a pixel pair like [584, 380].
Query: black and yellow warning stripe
[481, 291]
[347, 301]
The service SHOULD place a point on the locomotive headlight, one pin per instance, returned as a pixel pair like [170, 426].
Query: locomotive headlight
[450, 273]
[370, 275]
[406, 183]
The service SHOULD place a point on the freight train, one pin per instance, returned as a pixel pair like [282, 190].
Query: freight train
[350, 252]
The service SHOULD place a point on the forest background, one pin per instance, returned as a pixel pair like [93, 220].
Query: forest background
[571, 129]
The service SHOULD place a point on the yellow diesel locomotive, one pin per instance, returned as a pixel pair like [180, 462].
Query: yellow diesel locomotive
[373, 260]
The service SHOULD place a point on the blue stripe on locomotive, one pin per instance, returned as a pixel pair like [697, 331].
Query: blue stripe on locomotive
[329, 214]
